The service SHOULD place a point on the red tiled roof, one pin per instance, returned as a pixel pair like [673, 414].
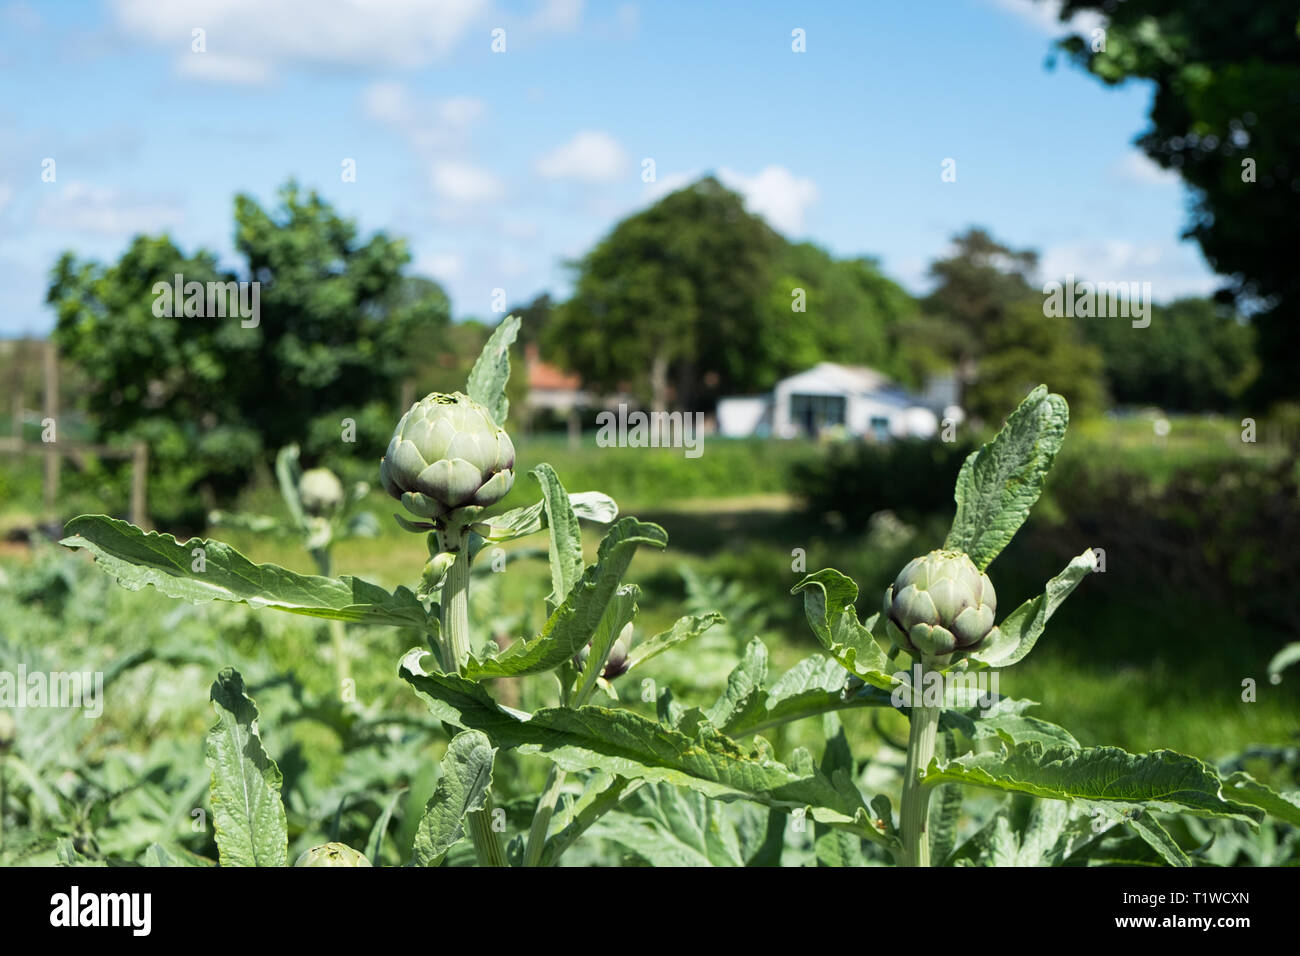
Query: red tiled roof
[544, 375]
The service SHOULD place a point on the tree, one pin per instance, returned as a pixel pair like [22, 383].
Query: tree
[671, 297]
[1194, 356]
[214, 396]
[1224, 118]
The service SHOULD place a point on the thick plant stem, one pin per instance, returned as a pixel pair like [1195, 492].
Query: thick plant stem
[455, 642]
[542, 818]
[916, 797]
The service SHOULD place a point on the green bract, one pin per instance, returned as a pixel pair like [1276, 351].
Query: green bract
[447, 453]
[332, 854]
[939, 604]
[320, 491]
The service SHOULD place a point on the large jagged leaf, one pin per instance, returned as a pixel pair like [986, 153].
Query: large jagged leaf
[463, 788]
[136, 558]
[1018, 634]
[685, 628]
[1000, 482]
[672, 826]
[1162, 780]
[575, 621]
[743, 697]
[625, 744]
[1243, 788]
[488, 379]
[247, 814]
[518, 522]
[828, 598]
[1148, 829]
[1006, 721]
[565, 535]
[814, 686]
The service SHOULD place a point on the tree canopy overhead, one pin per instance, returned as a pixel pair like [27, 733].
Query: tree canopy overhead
[1224, 117]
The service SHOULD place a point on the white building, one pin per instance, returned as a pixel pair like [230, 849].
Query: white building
[859, 400]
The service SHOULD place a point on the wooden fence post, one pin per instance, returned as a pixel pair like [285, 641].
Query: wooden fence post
[139, 480]
[51, 414]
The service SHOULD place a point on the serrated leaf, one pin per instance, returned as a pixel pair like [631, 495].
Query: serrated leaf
[1000, 482]
[488, 379]
[683, 629]
[814, 686]
[1149, 830]
[565, 539]
[625, 744]
[1243, 788]
[1162, 780]
[1017, 635]
[136, 558]
[518, 522]
[462, 788]
[247, 815]
[574, 622]
[671, 826]
[1009, 727]
[288, 473]
[828, 604]
[743, 696]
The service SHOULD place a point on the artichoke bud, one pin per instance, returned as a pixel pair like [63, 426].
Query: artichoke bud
[320, 492]
[616, 663]
[940, 604]
[332, 854]
[446, 455]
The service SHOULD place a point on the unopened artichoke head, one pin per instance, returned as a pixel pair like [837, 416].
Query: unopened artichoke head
[320, 492]
[940, 604]
[447, 454]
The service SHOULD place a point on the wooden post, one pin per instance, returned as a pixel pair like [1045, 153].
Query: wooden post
[51, 414]
[139, 479]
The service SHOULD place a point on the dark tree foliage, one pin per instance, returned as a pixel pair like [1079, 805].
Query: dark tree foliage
[1227, 98]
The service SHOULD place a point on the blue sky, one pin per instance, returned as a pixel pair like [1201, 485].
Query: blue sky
[497, 167]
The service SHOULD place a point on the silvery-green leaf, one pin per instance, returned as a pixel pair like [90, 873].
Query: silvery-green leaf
[625, 744]
[683, 629]
[575, 621]
[462, 789]
[1000, 482]
[1243, 788]
[565, 536]
[828, 605]
[136, 558]
[488, 379]
[1149, 829]
[1018, 634]
[1162, 780]
[518, 522]
[287, 474]
[247, 815]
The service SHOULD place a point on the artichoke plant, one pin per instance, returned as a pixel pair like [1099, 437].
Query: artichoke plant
[447, 455]
[940, 604]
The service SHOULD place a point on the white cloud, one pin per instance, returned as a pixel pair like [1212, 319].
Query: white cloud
[590, 156]
[774, 193]
[82, 207]
[1137, 167]
[560, 16]
[1173, 268]
[220, 68]
[432, 127]
[462, 182]
[378, 33]
[444, 266]
[1044, 16]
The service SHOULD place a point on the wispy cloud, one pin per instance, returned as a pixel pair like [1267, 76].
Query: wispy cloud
[590, 156]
